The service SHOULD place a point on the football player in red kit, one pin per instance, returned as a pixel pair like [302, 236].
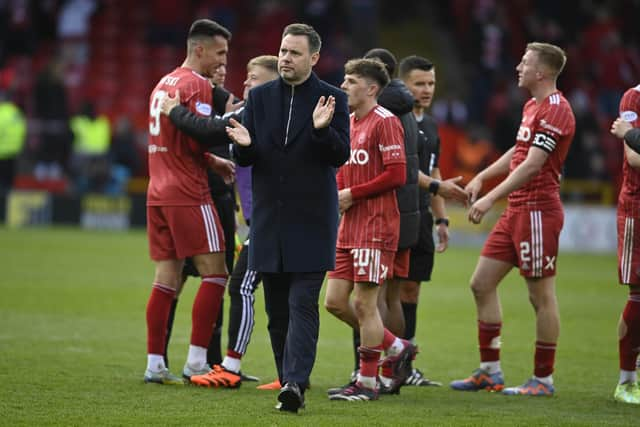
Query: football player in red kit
[369, 228]
[627, 126]
[181, 218]
[526, 235]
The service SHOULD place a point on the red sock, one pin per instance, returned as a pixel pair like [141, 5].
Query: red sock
[628, 345]
[158, 308]
[387, 339]
[206, 307]
[369, 358]
[234, 354]
[544, 359]
[489, 339]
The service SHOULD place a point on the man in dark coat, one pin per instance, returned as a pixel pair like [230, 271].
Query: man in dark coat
[295, 134]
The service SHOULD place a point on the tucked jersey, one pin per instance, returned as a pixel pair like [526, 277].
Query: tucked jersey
[629, 198]
[377, 140]
[549, 126]
[177, 166]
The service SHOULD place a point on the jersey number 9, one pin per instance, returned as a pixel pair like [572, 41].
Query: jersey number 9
[154, 112]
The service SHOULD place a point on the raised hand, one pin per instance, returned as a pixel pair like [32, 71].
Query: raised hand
[223, 167]
[620, 127]
[323, 113]
[238, 133]
[168, 102]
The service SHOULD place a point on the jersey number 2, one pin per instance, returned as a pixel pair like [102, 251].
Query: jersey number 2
[154, 112]
[525, 251]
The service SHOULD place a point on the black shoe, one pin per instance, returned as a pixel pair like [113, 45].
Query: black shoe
[417, 378]
[352, 380]
[291, 398]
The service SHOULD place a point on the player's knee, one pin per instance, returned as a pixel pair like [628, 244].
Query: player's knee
[535, 302]
[211, 263]
[363, 307]
[335, 306]
[480, 287]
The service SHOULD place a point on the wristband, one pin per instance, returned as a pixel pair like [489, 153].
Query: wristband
[444, 221]
[434, 186]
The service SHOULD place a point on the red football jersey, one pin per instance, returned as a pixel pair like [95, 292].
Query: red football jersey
[177, 166]
[629, 198]
[377, 139]
[548, 125]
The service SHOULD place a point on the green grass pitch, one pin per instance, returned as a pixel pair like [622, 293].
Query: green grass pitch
[72, 346]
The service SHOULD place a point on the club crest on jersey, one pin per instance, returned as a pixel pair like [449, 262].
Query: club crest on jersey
[629, 116]
[362, 138]
[203, 108]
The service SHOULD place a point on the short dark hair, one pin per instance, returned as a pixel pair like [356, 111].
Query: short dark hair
[207, 28]
[386, 57]
[369, 68]
[315, 42]
[414, 62]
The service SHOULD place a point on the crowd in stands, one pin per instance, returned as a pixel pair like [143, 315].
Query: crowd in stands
[65, 62]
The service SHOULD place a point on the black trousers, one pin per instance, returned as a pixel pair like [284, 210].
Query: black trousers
[291, 302]
[242, 286]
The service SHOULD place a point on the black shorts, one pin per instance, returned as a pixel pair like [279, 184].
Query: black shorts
[422, 254]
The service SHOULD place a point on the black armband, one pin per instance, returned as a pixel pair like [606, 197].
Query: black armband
[632, 138]
[444, 221]
[434, 186]
[544, 141]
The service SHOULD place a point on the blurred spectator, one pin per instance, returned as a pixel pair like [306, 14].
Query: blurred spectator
[169, 22]
[73, 29]
[221, 11]
[18, 34]
[585, 159]
[53, 136]
[13, 130]
[90, 160]
[124, 160]
[272, 16]
[489, 38]
[614, 72]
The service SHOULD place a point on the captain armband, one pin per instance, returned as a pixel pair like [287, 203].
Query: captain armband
[544, 141]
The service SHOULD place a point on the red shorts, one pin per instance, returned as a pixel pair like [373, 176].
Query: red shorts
[363, 265]
[528, 240]
[628, 251]
[177, 232]
[401, 263]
